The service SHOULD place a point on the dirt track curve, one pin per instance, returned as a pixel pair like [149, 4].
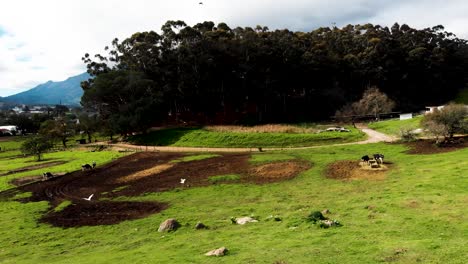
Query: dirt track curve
[136, 174]
[373, 137]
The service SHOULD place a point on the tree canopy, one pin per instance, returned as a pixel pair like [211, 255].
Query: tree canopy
[218, 74]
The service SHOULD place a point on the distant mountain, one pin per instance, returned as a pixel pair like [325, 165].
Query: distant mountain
[67, 92]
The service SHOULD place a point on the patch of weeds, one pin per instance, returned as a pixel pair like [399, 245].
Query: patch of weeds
[224, 178]
[22, 195]
[294, 222]
[395, 255]
[62, 206]
[118, 189]
[195, 157]
[317, 217]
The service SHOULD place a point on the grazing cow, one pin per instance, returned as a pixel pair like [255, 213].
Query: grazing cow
[46, 176]
[365, 159]
[379, 158]
[86, 167]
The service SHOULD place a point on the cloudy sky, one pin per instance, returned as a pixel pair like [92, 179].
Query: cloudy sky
[43, 40]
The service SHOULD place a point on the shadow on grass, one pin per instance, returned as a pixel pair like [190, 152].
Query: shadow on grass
[163, 137]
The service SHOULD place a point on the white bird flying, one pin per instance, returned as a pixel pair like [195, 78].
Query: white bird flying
[89, 198]
[182, 181]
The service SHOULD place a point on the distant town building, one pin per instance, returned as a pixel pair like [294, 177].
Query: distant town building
[8, 130]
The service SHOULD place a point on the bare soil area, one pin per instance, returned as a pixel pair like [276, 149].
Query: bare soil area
[141, 173]
[354, 170]
[426, 146]
[277, 171]
[34, 167]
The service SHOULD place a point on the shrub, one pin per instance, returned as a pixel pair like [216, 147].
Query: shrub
[316, 216]
[36, 146]
[444, 123]
[407, 134]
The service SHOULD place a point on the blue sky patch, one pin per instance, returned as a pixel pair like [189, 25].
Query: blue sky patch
[24, 58]
[2, 31]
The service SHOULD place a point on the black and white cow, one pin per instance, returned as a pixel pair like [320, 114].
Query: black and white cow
[46, 176]
[365, 159]
[86, 167]
[379, 158]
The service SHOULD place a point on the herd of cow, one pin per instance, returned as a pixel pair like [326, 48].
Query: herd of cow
[377, 160]
[84, 167]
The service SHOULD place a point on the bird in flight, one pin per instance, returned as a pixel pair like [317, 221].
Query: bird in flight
[182, 181]
[201, 3]
[89, 198]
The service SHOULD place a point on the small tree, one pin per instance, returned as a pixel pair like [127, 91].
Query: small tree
[444, 123]
[58, 129]
[36, 146]
[89, 125]
[373, 102]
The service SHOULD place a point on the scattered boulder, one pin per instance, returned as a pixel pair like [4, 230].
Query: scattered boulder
[168, 225]
[317, 217]
[245, 220]
[217, 252]
[328, 223]
[200, 225]
[326, 211]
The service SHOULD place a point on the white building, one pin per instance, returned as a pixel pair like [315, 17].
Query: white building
[430, 109]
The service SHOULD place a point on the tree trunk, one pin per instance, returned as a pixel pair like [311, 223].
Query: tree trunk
[89, 136]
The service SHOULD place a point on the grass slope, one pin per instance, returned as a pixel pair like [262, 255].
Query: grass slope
[392, 127]
[418, 214]
[462, 97]
[193, 137]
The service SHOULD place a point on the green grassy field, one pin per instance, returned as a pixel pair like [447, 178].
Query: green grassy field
[462, 97]
[195, 157]
[73, 159]
[392, 127]
[418, 214]
[194, 137]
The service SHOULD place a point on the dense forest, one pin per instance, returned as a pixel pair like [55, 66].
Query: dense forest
[217, 74]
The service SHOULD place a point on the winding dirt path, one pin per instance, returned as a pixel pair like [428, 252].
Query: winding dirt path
[373, 137]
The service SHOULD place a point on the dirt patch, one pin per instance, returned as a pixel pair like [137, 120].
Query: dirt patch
[30, 179]
[427, 146]
[144, 173]
[34, 167]
[352, 170]
[277, 171]
[101, 213]
[140, 173]
[25, 180]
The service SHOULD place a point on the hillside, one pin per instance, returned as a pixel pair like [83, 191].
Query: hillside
[66, 92]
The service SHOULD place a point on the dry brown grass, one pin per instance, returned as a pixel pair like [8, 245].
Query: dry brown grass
[273, 128]
[279, 170]
[353, 170]
[144, 173]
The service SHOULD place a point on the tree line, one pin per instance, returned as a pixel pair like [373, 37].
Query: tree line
[216, 74]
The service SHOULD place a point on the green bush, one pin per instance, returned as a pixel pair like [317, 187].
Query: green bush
[316, 216]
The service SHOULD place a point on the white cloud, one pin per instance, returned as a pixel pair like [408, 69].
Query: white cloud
[56, 33]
